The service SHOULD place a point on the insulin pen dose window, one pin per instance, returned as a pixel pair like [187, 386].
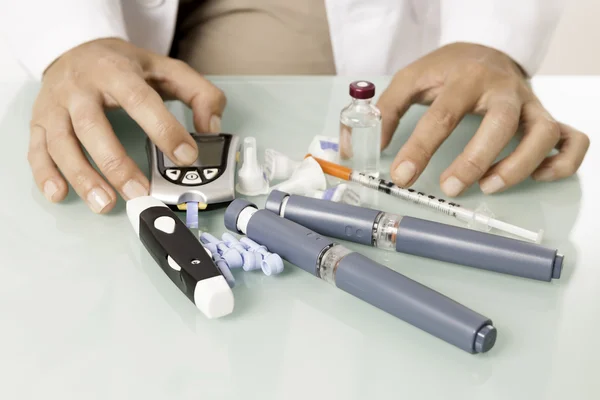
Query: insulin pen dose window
[209, 154]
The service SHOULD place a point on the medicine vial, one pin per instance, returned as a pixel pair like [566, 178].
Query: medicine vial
[360, 130]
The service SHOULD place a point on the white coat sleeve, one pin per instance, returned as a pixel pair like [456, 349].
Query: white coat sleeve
[39, 31]
[522, 29]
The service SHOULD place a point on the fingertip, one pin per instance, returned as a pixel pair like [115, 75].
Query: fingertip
[386, 138]
[207, 121]
[493, 183]
[198, 125]
[452, 186]
[135, 187]
[544, 175]
[186, 153]
[215, 124]
[100, 200]
[389, 124]
[404, 173]
[55, 189]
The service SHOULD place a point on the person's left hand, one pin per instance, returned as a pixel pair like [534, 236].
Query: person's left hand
[461, 78]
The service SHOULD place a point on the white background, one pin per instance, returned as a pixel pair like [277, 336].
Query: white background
[574, 49]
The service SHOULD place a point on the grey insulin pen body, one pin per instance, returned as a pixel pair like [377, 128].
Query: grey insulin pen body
[369, 281]
[419, 237]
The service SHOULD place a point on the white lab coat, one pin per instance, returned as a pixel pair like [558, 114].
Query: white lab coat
[369, 37]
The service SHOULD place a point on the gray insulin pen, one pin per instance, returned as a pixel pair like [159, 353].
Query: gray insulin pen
[358, 275]
[419, 237]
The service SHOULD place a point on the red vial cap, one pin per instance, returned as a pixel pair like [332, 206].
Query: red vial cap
[362, 90]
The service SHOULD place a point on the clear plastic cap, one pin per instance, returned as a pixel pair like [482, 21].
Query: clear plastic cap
[278, 166]
[252, 180]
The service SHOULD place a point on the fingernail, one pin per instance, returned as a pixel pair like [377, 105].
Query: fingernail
[546, 174]
[185, 154]
[133, 189]
[50, 189]
[452, 186]
[98, 199]
[215, 124]
[404, 173]
[492, 184]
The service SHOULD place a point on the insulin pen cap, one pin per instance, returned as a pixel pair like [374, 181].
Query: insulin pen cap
[275, 200]
[233, 211]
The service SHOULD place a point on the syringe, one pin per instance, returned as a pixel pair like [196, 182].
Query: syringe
[480, 220]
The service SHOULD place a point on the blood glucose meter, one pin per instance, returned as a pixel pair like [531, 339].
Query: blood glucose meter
[210, 180]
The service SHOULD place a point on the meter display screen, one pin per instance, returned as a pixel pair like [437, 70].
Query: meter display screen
[210, 153]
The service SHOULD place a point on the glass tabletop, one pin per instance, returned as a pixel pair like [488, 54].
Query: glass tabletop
[87, 313]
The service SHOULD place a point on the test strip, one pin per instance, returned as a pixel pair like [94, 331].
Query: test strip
[191, 215]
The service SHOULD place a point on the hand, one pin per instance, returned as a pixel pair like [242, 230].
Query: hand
[69, 113]
[462, 78]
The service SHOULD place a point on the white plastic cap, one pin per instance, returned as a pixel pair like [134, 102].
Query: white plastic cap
[272, 264]
[233, 258]
[251, 179]
[316, 194]
[252, 260]
[137, 205]
[213, 297]
[325, 148]
[335, 193]
[278, 166]
[306, 179]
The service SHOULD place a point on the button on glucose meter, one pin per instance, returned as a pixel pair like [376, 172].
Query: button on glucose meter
[210, 173]
[192, 177]
[173, 174]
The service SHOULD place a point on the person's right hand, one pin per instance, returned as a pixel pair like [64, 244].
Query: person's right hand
[69, 113]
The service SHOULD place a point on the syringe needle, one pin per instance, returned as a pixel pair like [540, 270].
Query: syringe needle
[473, 218]
[517, 231]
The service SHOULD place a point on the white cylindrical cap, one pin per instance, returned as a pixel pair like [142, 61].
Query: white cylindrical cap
[251, 179]
[325, 148]
[213, 297]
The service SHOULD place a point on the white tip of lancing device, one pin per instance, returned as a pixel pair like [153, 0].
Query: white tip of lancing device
[325, 148]
[252, 180]
[213, 297]
[137, 205]
[278, 166]
[307, 178]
